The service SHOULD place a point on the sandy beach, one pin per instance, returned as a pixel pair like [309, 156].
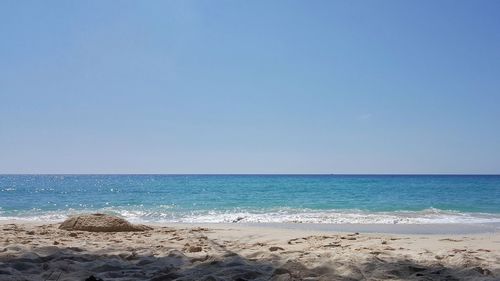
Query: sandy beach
[249, 140]
[35, 251]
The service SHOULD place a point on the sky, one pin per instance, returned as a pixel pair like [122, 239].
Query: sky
[250, 86]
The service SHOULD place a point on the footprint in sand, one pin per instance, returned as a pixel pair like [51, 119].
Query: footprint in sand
[451, 240]
[275, 248]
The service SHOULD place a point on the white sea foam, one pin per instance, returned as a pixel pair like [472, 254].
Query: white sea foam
[42, 217]
[430, 216]
[143, 215]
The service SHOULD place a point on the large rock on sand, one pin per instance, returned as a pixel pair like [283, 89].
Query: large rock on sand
[100, 223]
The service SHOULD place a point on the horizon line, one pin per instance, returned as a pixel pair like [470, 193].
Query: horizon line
[249, 174]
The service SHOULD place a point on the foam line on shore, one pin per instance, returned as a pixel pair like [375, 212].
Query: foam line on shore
[286, 216]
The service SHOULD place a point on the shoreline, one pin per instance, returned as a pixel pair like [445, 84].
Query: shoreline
[408, 229]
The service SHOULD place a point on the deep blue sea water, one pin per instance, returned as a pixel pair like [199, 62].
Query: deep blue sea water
[255, 198]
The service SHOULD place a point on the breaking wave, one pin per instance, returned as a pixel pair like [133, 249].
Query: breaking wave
[285, 215]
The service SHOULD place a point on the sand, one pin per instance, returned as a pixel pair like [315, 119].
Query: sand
[100, 223]
[232, 252]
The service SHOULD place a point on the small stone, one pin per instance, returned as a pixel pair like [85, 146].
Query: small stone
[238, 219]
[275, 248]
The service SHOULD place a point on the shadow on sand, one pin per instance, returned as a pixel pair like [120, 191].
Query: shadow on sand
[71, 263]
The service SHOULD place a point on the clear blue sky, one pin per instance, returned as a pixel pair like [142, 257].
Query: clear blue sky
[249, 86]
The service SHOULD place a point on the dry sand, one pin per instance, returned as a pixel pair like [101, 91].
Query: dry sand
[44, 252]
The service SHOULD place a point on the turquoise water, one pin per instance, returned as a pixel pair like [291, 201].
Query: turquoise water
[255, 198]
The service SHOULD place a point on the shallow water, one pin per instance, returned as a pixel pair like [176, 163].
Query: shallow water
[255, 198]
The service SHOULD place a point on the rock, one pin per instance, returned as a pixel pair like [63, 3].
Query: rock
[238, 219]
[100, 223]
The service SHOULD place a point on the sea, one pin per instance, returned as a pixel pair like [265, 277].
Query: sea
[331, 199]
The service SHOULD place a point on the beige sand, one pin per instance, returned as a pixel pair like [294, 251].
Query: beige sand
[44, 252]
[100, 223]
